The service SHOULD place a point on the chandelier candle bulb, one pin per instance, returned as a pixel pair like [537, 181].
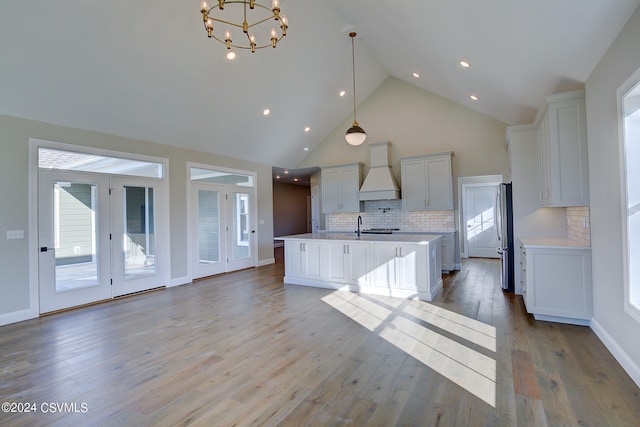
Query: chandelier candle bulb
[249, 15]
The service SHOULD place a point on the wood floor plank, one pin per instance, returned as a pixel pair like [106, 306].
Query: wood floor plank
[245, 349]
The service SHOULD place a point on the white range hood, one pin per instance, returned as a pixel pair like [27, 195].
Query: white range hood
[380, 183]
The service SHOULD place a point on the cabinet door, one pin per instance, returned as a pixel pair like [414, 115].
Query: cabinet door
[407, 259]
[334, 256]
[414, 184]
[350, 200]
[359, 263]
[311, 259]
[331, 186]
[439, 183]
[385, 273]
[544, 160]
[293, 260]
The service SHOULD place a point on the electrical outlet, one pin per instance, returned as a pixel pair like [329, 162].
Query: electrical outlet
[15, 234]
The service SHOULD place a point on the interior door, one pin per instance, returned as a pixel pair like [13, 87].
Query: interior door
[207, 222]
[240, 232]
[480, 220]
[73, 235]
[137, 263]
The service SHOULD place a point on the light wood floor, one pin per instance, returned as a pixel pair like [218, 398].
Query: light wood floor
[244, 349]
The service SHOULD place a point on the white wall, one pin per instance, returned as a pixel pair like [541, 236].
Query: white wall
[617, 329]
[14, 208]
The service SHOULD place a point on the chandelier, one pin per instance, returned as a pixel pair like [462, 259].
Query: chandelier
[223, 19]
[355, 135]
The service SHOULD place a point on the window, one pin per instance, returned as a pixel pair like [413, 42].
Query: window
[630, 119]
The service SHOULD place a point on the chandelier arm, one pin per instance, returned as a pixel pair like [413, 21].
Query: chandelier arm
[226, 22]
[273, 14]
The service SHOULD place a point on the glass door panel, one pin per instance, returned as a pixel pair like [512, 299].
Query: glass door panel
[240, 236]
[208, 220]
[134, 219]
[73, 239]
[139, 244]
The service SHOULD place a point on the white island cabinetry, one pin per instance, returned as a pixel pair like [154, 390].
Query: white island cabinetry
[347, 262]
[399, 266]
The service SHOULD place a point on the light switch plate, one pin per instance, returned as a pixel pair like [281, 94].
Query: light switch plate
[15, 234]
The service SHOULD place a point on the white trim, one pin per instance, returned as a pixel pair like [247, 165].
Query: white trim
[465, 182]
[268, 261]
[179, 281]
[630, 84]
[617, 351]
[18, 316]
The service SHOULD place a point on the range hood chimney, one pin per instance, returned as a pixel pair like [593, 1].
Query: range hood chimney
[380, 183]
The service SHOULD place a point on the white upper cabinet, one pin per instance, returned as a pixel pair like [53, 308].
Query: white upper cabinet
[340, 187]
[427, 182]
[562, 148]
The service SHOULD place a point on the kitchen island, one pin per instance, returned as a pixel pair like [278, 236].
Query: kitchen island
[405, 266]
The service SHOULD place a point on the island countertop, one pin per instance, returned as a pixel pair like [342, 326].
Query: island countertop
[380, 238]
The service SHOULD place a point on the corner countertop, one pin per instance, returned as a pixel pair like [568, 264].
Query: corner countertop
[554, 243]
[422, 239]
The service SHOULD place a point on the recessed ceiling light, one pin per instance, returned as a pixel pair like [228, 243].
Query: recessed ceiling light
[266, 112]
[306, 148]
[464, 64]
[416, 75]
[231, 55]
[307, 129]
[295, 179]
[342, 93]
[286, 172]
[474, 97]
[277, 176]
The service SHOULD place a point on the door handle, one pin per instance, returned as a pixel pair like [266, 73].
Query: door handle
[46, 249]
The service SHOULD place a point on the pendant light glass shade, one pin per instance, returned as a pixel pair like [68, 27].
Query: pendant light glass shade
[355, 134]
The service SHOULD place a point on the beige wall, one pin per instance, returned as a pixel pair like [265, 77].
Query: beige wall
[289, 209]
[617, 329]
[14, 190]
[416, 121]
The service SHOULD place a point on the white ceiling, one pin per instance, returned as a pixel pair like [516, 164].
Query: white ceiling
[146, 70]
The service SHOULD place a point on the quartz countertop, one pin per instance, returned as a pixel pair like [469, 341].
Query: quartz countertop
[350, 237]
[545, 242]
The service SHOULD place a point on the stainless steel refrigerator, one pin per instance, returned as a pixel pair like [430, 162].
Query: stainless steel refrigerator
[504, 228]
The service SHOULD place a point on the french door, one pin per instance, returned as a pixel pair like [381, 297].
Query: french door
[221, 234]
[97, 238]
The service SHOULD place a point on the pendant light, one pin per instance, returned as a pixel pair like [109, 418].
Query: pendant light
[355, 134]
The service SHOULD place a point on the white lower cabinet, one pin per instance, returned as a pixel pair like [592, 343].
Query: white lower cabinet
[397, 266]
[303, 258]
[346, 262]
[556, 282]
[406, 270]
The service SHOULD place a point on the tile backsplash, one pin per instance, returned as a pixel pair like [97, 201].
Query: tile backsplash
[389, 214]
[578, 225]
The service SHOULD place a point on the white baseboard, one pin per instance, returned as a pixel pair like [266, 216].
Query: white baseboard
[628, 364]
[267, 261]
[17, 316]
[184, 280]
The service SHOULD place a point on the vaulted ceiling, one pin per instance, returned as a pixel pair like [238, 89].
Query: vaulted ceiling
[146, 70]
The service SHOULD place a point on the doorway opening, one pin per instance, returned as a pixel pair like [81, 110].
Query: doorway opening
[477, 201]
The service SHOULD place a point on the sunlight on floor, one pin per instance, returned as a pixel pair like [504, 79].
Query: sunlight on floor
[399, 322]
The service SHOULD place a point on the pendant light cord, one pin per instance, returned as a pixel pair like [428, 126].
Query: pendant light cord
[353, 68]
